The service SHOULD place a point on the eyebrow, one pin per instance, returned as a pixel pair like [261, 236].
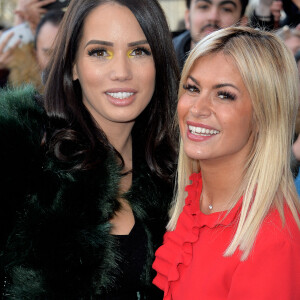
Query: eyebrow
[193, 79]
[217, 86]
[98, 42]
[105, 43]
[141, 42]
[219, 4]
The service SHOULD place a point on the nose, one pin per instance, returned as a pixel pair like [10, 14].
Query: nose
[213, 14]
[121, 68]
[202, 107]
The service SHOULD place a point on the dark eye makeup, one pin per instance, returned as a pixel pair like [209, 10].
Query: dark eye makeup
[191, 88]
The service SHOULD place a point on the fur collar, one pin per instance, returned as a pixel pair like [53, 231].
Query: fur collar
[56, 243]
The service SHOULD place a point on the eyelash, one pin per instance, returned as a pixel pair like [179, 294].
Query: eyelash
[203, 6]
[221, 94]
[226, 95]
[191, 88]
[145, 51]
[92, 52]
[206, 7]
[227, 9]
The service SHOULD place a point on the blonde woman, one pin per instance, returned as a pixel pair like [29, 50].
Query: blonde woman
[236, 235]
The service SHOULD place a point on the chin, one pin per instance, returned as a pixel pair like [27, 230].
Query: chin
[194, 154]
[124, 119]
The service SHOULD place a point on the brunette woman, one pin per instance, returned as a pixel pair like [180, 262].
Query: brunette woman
[86, 182]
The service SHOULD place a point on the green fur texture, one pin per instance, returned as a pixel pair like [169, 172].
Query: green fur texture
[54, 240]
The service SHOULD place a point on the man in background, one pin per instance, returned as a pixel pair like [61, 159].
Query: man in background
[205, 16]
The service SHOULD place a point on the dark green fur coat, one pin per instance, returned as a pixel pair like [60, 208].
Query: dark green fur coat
[54, 223]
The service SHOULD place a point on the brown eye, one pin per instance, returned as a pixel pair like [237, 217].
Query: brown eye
[226, 96]
[191, 88]
[98, 53]
[140, 52]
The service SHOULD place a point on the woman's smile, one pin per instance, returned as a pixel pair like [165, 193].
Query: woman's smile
[121, 97]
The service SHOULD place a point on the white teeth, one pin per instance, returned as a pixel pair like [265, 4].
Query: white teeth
[120, 95]
[202, 131]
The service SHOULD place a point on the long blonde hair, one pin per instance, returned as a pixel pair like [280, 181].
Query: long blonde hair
[270, 75]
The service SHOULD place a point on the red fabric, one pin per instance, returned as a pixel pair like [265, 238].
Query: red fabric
[190, 265]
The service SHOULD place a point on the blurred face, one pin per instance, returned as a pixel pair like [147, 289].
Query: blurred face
[215, 111]
[44, 43]
[114, 66]
[205, 16]
[293, 43]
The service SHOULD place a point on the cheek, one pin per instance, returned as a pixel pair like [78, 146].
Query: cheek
[182, 111]
[146, 72]
[88, 76]
[146, 76]
[228, 20]
[198, 18]
[243, 125]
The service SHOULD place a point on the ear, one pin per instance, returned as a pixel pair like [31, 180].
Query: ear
[75, 75]
[244, 21]
[187, 19]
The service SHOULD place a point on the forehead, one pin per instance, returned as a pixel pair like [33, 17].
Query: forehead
[47, 33]
[217, 67]
[111, 21]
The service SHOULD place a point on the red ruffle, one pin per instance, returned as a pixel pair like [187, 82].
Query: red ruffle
[177, 248]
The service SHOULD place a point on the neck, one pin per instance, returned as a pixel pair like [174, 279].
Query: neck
[119, 135]
[220, 182]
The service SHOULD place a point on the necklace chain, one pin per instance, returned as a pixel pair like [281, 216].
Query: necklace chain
[209, 206]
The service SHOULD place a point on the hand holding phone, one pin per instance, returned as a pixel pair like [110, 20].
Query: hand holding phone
[18, 34]
[31, 11]
[7, 56]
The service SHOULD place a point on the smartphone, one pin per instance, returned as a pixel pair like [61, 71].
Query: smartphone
[58, 4]
[21, 32]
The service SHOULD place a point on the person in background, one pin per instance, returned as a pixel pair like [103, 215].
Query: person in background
[22, 60]
[87, 170]
[267, 14]
[203, 17]
[31, 11]
[291, 37]
[237, 233]
[45, 35]
[26, 64]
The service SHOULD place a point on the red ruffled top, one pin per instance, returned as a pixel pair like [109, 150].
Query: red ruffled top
[191, 265]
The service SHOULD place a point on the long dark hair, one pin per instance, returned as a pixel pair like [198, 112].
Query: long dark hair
[80, 138]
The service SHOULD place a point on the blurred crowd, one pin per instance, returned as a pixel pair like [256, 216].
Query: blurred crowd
[22, 62]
